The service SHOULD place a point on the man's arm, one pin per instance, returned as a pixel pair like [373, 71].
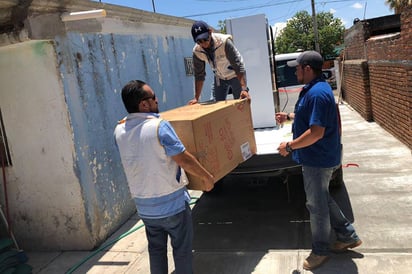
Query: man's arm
[175, 149]
[236, 61]
[191, 165]
[198, 89]
[234, 57]
[309, 137]
[281, 117]
[242, 79]
[199, 71]
[244, 93]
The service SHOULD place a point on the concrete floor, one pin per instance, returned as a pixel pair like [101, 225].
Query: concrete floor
[252, 227]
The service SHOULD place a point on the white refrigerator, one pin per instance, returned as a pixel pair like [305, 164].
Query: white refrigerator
[251, 38]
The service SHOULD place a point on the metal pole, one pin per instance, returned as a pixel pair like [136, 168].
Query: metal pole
[154, 8]
[315, 27]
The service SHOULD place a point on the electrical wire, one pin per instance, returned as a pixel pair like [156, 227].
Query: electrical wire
[244, 8]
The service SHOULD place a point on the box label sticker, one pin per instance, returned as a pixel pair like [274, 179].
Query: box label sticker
[246, 152]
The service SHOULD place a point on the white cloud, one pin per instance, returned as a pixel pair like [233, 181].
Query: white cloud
[357, 6]
[333, 11]
[345, 23]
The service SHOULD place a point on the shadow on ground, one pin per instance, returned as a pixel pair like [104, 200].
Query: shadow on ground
[241, 220]
[251, 215]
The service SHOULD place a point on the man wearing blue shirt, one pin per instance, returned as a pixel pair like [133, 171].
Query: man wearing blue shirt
[316, 146]
[155, 160]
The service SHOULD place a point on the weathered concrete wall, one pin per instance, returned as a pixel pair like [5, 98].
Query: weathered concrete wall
[355, 47]
[60, 100]
[377, 78]
[45, 197]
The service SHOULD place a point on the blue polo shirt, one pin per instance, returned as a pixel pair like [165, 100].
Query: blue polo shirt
[316, 106]
[169, 140]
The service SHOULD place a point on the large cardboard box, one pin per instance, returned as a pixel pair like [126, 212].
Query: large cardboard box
[220, 135]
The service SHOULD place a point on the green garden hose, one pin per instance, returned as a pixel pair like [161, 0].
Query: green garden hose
[75, 267]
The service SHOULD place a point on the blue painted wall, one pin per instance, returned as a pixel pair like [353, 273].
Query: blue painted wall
[94, 68]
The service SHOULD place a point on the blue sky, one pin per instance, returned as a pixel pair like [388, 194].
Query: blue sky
[276, 11]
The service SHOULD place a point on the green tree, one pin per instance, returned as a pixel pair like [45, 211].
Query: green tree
[398, 5]
[222, 26]
[298, 34]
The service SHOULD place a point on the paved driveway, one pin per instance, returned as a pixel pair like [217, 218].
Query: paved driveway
[252, 227]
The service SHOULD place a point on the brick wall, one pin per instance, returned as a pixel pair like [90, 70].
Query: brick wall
[355, 87]
[355, 82]
[391, 99]
[377, 76]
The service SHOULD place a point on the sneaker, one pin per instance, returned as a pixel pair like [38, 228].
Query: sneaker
[314, 261]
[339, 246]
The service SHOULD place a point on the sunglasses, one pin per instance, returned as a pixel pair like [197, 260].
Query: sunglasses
[150, 97]
[200, 41]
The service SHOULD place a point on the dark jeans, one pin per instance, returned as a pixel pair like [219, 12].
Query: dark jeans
[180, 229]
[221, 89]
[325, 213]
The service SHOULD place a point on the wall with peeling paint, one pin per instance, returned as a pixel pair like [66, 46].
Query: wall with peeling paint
[60, 100]
[45, 198]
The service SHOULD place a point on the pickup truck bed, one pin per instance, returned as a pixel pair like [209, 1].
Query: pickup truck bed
[267, 161]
